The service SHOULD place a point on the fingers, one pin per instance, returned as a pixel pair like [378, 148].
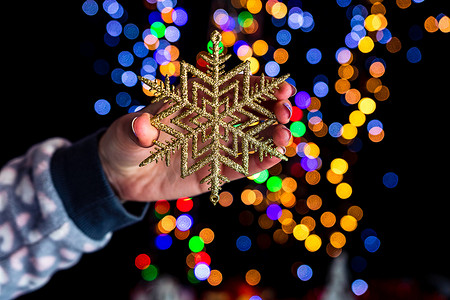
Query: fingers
[143, 131]
[285, 91]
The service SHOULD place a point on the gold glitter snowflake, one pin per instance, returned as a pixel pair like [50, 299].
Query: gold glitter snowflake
[220, 122]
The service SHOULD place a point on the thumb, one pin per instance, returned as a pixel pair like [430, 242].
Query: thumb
[122, 145]
[143, 132]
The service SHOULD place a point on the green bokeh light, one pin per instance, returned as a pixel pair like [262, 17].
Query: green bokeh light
[150, 273]
[245, 19]
[274, 184]
[261, 177]
[158, 29]
[297, 128]
[196, 244]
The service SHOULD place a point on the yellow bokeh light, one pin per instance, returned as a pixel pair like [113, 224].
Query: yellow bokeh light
[215, 278]
[328, 219]
[333, 177]
[431, 24]
[332, 251]
[285, 214]
[373, 84]
[181, 235]
[253, 277]
[314, 202]
[339, 166]
[337, 239]
[366, 44]
[394, 45]
[168, 223]
[301, 232]
[378, 8]
[207, 235]
[225, 199]
[312, 177]
[311, 150]
[309, 222]
[288, 199]
[349, 131]
[348, 223]
[444, 24]
[279, 10]
[375, 22]
[352, 96]
[254, 6]
[281, 55]
[382, 93]
[228, 38]
[248, 197]
[265, 222]
[288, 225]
[367, 105]
[356, 212]
[343, 190]
[342, 86]
[289, 184]
[403, 3]
[260, 47]
[377, 69]
[357, 118]
[254, 65]
[313, 243]
[346, 71]
[280, 237]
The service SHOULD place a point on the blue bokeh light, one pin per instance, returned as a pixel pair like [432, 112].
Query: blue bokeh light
[272, 68]
[102, 107]
[125, 58]
[131, 31]
[283, 37]
[304, 272]
[129, 78]
[414, 55]
[390, 180]
[243, 243]
[372, 244]
[184, 222]
[90, 7]
[313, 56]
[114, 28]
[163, 241]
[320, 89]
[202, 271]
[359, 287]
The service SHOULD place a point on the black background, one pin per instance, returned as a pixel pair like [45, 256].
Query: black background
[49, 89]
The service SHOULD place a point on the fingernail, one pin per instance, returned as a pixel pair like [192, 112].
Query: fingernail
[288, 106]
[294, 89]
[132, 126]
[288, 130]
[281, 149]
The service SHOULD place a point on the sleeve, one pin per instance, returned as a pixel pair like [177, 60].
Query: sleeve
[55, 205]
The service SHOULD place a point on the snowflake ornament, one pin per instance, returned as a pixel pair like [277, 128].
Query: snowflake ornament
[219, 125]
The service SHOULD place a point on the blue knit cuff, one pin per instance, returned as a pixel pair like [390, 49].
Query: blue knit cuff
[88, 198]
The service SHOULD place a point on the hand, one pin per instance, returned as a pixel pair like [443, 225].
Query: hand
[125, 144]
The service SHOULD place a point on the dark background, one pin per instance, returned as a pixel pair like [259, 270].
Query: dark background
[50, 89]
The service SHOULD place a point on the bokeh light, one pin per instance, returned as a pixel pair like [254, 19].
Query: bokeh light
[304, 272]
[390, 180]
[359, 287]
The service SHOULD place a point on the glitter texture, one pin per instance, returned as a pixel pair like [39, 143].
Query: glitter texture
[217, 117]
